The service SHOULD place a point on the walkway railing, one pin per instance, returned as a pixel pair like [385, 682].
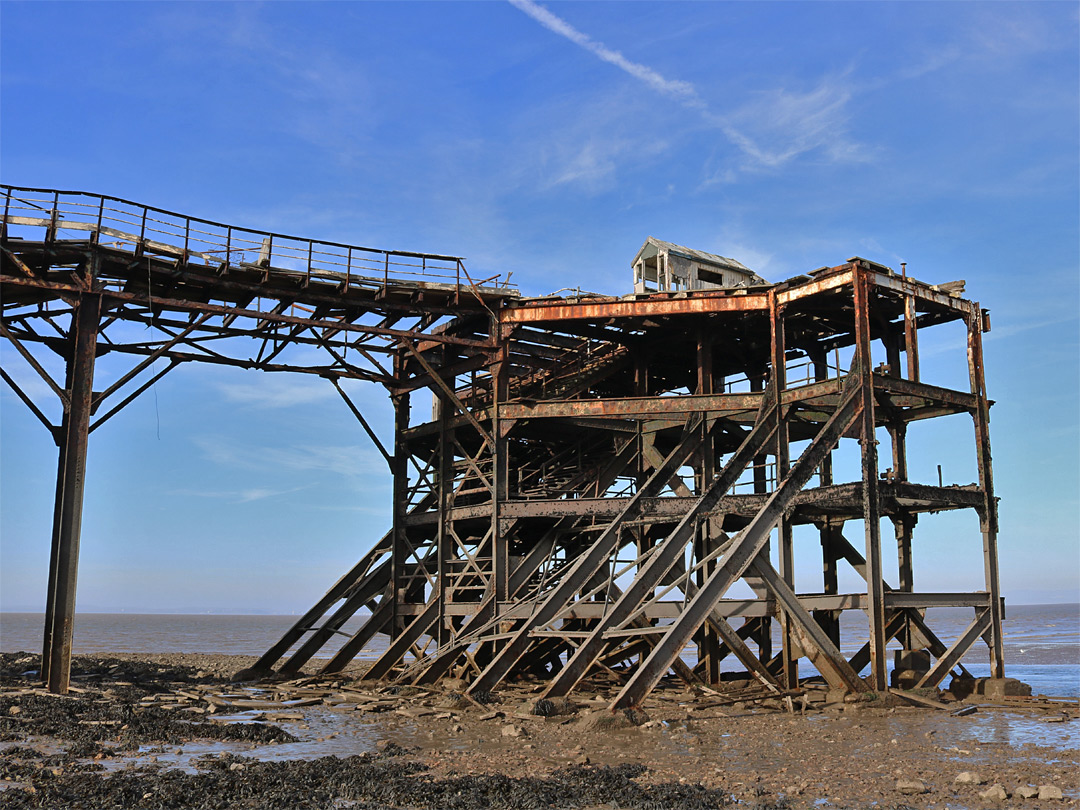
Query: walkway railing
[134, 226]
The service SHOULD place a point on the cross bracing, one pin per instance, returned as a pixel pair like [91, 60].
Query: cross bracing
[599, 476]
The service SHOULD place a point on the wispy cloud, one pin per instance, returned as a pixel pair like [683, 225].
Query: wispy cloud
[344, 460]
[284, 391]
[769, 132]
[323, 96]
[674, 88]
[244, 495]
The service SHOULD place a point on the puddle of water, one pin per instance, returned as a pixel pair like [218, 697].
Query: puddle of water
[987, 727]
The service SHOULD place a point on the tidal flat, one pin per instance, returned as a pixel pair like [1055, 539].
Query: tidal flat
[173, 731]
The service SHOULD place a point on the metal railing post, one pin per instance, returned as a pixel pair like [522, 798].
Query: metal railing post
[53, 217]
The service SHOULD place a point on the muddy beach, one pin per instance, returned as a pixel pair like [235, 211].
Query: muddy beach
[172, 731]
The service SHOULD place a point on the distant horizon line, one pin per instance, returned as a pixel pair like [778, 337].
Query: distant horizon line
[145, 612]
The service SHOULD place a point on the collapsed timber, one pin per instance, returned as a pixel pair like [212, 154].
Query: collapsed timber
[598, 477]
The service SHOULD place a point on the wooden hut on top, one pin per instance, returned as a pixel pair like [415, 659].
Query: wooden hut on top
[666, 267]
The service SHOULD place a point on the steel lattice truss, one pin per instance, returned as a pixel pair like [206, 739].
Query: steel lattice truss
[597, 474]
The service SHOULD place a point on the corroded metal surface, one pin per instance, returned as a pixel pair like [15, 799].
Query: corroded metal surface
[597, 474]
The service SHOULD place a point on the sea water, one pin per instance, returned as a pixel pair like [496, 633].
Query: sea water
[1041, 642]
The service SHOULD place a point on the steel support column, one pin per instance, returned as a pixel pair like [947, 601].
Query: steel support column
[67, 515]
[988, 517]
[400, 506]
[785, 546]
[750, 542]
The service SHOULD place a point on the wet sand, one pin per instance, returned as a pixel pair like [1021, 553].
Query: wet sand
[145, 731]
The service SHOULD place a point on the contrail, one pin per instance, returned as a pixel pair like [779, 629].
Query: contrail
[679, 90]
[814, 116]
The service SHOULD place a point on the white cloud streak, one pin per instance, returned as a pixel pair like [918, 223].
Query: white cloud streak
[277, 391]
[249, 495]
[679, 90]
[349, 461]
[770, 132]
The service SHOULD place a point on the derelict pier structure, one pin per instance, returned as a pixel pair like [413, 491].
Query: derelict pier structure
[616, 485]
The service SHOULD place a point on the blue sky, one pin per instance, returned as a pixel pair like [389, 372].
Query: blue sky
[547, 140]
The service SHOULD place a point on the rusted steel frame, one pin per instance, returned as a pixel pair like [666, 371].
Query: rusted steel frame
[680, 668]
[748, 545]
[400, 494]
[737, 608]
[361, 591]
[920, 290]
[988, 514]
[472, 465]
[841, 277]
[905, 621]
[448, 395]
[101, 198]
[275, 286]
[34, 364]
[824, 393]
[132, 396]
[473, 553]
[212, 332]
[31, 313]
[500, 448]
[340, 589]
[982, 623]
[715, 622]
[785, 549]
[422, 488]
[363, 423]
[437, 665]
[667, 552]
[918, 630]
[644, 406]
[895, 626]
[281, 342]
[139, 367]
[364, 351]
[67, 517]
[588, 563]
[815, 642]
[405, 640]
[929, 393]
[377, 622]
[204, 355]
[241, 312]
[616, 308]
[742, 633]
[871, 497]
[30, 404]
[654, 458]
[903, 524]
[734, 643]
[444, 490]
[911, 338]
[473, 363]
[670, 509]
[603, 585]
[19, 264]
[417, 565]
